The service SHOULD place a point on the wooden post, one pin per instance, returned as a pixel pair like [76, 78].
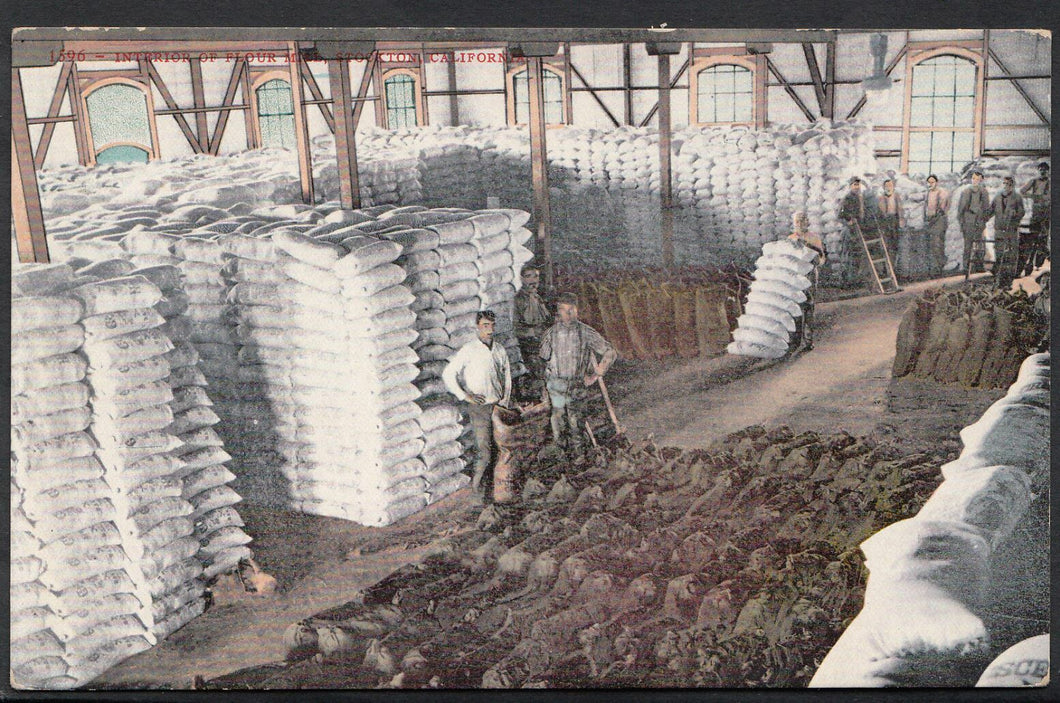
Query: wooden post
[665, 176]
[627, 70]
[568, 101]
[454, 99]
[84, 151]
[362, 91]
[539, 164]
[202, 129]
[61, 86]
[380, 94]
[345, 133]
[980, 133]
[214, 145]
[829, 80]
[30, 238]
[301, 131]
[248, 111]
[424, 118]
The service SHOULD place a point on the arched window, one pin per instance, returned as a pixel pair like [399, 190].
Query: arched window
[519, 102]
[120, 124]
[725, 93]
[275, 113]
[942, 115]
[400, 89]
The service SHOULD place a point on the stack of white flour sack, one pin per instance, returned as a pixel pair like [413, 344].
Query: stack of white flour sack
[120, 512]
[781, 279]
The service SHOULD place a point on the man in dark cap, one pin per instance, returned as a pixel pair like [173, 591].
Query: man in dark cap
[532, 318]
[568, 349]
[1007, 210]
[852, 211]
[1034, 248]
[973, 210]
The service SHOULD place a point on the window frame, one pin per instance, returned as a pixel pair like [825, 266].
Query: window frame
[919, 53]
[93, 148]
[260, 78]
[557, 68]
[705, 59]
[417, 93]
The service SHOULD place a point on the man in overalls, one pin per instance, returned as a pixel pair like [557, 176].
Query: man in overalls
[568, 348]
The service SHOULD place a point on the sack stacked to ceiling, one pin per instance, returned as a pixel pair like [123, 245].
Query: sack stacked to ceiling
[922, 623]
[106, 411]
[782, 278]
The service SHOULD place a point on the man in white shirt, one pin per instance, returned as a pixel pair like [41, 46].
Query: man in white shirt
[480, 375]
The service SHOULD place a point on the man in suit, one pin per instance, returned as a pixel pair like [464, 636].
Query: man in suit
[973, 210]
[1007, 210]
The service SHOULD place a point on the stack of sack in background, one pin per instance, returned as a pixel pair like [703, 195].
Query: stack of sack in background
[922, 622]
[119, 520]
[781, 279]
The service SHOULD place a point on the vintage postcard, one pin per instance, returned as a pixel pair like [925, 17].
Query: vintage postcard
[460, 358]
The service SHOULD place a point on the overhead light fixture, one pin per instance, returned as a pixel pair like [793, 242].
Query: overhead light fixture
[877, 86]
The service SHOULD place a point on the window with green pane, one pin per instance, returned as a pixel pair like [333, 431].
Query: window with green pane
[117, 113]
[400, 101]
[276, 113]
[725, 93]
[552, 87]
[942, 98]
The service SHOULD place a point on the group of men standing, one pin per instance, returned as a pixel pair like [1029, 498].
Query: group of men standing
[563, 356]
[1014, 255]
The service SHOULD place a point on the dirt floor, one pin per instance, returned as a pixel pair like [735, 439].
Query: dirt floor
[843, 383]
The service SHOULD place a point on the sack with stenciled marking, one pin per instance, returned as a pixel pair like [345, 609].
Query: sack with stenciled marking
[126, 293]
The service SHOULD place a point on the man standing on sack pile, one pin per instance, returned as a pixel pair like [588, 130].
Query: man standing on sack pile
[1035, 249]
[532, 318]
[936, 222]
[973, 210]
[1007, 210]
[568, 348]
[892, 219]
[481, 375]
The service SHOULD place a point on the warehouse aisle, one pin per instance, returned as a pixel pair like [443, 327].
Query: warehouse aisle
[843, 383]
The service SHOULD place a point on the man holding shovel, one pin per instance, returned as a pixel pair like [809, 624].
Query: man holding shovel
[568, 349]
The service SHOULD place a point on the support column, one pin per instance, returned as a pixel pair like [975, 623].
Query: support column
[30, 238]
[454, 99]
[202, 130]
[539, 165]
[84, 148]
[345, 133]
[665, 179]
[249, 123]
[627, 64]
[829, 80]
[301, 128]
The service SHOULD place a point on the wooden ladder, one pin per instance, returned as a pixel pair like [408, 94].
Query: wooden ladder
[877, 254]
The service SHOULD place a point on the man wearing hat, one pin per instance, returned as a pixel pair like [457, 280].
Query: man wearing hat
[1035, 249]
[973, 210]
[1007, 210]
[532, 318]
[568, 349]
[852, 212]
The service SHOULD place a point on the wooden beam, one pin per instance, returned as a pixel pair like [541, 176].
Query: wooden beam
[198, 97]
[132, 74]
[627, 70]
[980, 133]
[249, 121]
[314, 90]
[665, 173]
[890, 67]
[77, 106]
[229, 101]
[301, 130]
[829, 80]
[345, 134]
[673, 82]
[789, 90]
[167, 98]
[362, 90]
[30, 239]
[539, 165]
[50, 120]
[1016, 84]
[578, 75]
[815, 76]
[380, 91]
[454, 99]
[424, 118]
[61, 86]
[568, 101]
